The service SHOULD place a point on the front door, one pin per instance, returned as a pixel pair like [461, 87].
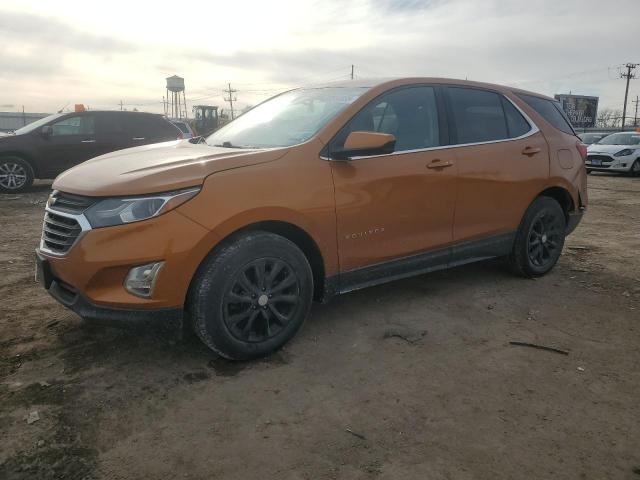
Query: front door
[400, 204]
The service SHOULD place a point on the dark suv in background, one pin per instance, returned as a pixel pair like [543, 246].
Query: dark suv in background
[49, 146]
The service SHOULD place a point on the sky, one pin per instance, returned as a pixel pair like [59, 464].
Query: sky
[56, 54]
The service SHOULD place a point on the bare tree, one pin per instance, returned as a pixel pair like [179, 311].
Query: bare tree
[609, 118]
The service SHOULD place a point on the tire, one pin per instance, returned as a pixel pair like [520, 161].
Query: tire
[16, 175]
[635, 169]
[539, 239]
[251, 296]
[588, 171]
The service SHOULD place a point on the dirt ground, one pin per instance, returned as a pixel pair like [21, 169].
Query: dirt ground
[411, 380]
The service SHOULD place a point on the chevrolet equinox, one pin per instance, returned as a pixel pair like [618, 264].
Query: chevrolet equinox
[314, 192]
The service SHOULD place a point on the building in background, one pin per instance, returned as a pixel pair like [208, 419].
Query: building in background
[10, 121]
[581, 110]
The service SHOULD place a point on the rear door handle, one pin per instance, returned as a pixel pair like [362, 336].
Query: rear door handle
[437, 163]
[88, 141]
[137, 138]
[530, 150]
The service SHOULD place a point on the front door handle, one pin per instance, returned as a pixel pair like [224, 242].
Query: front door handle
[137, 138]
[437, 163]
[88, 141]
[530, 151]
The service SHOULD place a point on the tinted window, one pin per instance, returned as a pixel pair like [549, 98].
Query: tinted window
[183, 127]
[150, 126]
[110, 123]
[551, 111]
[410, 114]
[477, 115]
[516, 124]
[79, 125]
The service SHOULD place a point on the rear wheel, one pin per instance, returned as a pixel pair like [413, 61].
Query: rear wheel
[539, 239]
[252, 296]
[15, 175]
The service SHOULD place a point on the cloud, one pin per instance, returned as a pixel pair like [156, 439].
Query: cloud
[50, 33]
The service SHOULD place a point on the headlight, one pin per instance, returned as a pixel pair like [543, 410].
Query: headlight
[624, 153]
[116, 211]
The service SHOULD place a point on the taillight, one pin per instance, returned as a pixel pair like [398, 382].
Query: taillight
[582, 149]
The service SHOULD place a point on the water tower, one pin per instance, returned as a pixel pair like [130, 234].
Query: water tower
[176, 106]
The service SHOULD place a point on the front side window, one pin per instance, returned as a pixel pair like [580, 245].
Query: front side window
[477, 115]
[410, 114]
[79, 125]
[287, 119]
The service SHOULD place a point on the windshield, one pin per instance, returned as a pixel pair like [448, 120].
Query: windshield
[37, 124]
[287, 119]
[621, 139]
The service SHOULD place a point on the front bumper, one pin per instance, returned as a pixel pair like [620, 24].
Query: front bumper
[78, 303]
[89, 278]
[609, 163]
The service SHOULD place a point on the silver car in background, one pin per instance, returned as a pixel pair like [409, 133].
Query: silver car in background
[618, 152]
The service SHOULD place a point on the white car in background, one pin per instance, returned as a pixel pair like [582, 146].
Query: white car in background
[618, 152]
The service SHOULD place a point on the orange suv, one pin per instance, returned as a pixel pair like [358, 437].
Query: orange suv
[315, 192]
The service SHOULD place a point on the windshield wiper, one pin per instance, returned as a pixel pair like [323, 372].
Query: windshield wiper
[229, 145]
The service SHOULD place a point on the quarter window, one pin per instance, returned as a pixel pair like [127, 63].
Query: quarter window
[79, 125]
[410, 114]
[551, 111]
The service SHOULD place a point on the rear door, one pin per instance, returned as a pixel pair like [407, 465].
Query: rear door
[395, 205]
[503, 162]
[72, 141]
[155, 129]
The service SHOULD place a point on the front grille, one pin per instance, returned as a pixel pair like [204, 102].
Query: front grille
[69, 203]
[604, 158]
[59, 233]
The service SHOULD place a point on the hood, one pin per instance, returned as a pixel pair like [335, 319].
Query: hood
[156, 168]
[598, 148]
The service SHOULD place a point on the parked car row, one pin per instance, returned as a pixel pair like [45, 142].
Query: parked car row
[51, 145]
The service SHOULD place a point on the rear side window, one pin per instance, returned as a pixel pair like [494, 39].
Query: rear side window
[551, 111]
[410, 114]
[478, 115]
[151, 126]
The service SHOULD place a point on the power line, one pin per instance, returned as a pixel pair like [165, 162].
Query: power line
[629, 75]
[231, 98]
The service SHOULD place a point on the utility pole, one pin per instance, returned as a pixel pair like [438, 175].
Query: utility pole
[24, 118]
[121, 105]
[351, 72]
[629, 75]
[231, 99]
[635, 117]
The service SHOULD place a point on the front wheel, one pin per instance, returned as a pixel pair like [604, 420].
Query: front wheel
[15, 175]
[251, 296]
[539, 239]
[635, 168]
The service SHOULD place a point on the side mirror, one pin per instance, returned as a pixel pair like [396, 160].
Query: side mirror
[364, 144]
[46, 131]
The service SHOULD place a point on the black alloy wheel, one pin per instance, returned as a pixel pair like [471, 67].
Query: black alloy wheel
[251, 295]
[261, 300]
[544, 238]
[539, 239]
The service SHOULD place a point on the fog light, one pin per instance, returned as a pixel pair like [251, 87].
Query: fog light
[141, 280]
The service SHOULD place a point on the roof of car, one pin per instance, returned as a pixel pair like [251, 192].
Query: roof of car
[393, 82]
